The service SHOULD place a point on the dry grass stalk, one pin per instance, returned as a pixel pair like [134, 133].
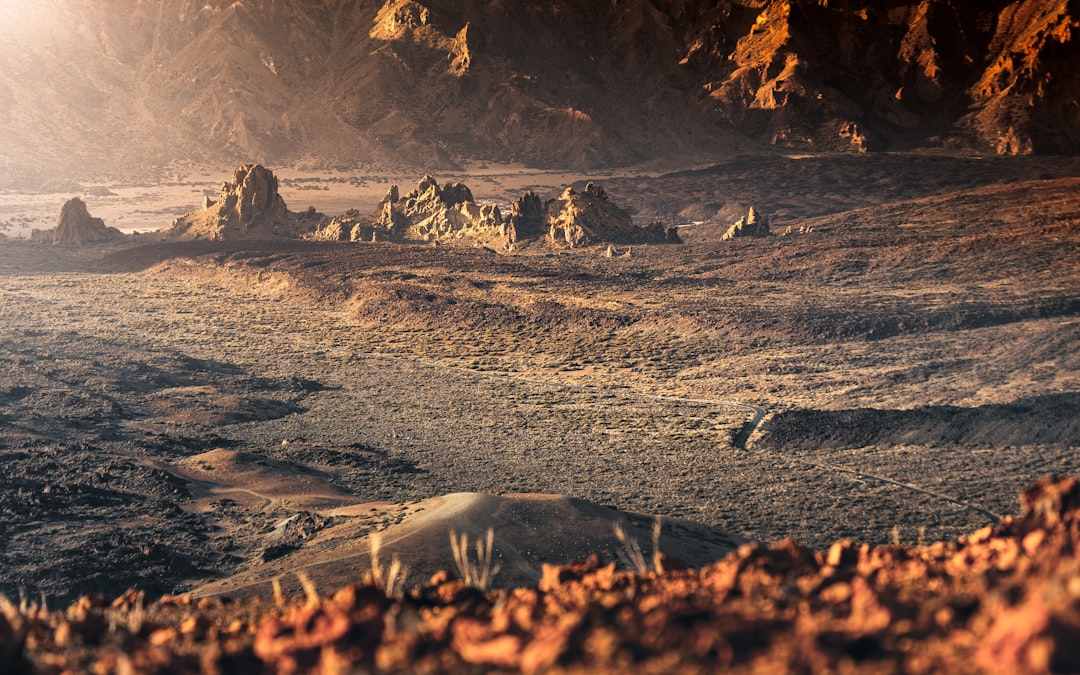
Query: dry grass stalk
[279, 596]
[479, 574]
[310, 592]
[391, 580]
[633, 557]
[631, 553]
[375, 543]
[657, 558]
[10, 612]
[136, 617]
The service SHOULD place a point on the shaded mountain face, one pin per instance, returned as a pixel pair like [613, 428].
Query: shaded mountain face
[89, 87]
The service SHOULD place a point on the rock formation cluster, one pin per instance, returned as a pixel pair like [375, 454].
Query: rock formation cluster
[76, 227]
[431, 212]
[449, 212]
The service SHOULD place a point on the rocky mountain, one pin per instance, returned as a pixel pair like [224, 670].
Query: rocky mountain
[88, 86]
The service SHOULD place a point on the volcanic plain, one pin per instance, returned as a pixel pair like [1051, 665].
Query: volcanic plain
[894, 363]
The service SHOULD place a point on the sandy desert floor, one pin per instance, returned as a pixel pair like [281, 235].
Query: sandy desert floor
[169, 409]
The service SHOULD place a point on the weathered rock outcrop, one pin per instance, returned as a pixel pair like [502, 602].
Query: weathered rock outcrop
[588, 217]
[431, 212]
[449, 212]
[752, 224]
[76, 227]
[247, 208]
[527, 218]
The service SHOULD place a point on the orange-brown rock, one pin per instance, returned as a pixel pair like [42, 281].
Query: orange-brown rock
[1003, 599]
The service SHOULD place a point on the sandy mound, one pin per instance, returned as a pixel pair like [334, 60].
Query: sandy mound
[529, 530]
[223, 472]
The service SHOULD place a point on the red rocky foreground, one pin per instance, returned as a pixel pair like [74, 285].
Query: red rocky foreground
[1004, 599]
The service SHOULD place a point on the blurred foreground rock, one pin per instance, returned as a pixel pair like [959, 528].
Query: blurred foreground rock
[1004, 599]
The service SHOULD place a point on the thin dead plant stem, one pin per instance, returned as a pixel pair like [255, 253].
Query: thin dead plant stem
[392, 579]
[657, 558]
[10, 611]
[480, 573]
[310, 592]
[279, 596]
[632, 555]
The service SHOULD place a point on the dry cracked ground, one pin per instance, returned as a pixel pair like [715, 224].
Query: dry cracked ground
[167, 409]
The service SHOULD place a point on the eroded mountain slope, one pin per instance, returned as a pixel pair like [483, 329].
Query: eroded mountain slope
[117, 87]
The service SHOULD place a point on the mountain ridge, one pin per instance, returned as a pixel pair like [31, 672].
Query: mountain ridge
[104, 89]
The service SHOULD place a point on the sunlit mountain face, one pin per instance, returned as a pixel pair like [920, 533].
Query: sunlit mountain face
[114, 88]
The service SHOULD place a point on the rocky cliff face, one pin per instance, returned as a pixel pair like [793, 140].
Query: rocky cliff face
[851, 76]
[571, 83]
[1028, 97]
